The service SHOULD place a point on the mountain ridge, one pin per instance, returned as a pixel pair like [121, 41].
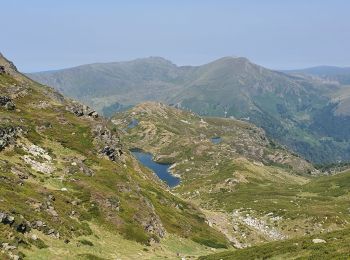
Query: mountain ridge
[297, 110]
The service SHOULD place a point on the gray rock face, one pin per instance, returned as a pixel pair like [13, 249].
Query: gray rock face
[5, 218]
[7, 103]
[150, 221]
[82, 110]
[8, 135]
[110, 142]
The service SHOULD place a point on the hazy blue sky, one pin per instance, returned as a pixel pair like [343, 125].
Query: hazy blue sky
[50, 34]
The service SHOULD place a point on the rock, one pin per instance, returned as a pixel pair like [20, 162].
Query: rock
[6, 218]
[110, 142]
[51, 210]
[53, 233]
[318, 241]
[7, 102]
[50, 232]
[81, 110]
[44, 167]
[38, 224]
[38, 151]
[15, 257]
[23, 228]
[22, 175]
[10, 219]
[152, 223]
[7, 246]
[111, 153]
[113, 203]
[34, 237]
[8, 135]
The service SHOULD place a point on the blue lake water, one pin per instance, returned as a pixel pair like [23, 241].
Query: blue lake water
[216, 140]
[134, 122]
[162, 170]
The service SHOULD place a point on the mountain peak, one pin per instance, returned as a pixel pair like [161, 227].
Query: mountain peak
[155, 60]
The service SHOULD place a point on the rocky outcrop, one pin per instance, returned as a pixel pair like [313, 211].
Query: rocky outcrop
[150, 220]
[81, 110]
[109, 142]
[6, 218]
[8, 135]
[38, 159]
[78, 165]
[7, 103]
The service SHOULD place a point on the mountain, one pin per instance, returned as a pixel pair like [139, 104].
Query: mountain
[296, 110]
[106, 84]
[70, 188]
[251, 189]
[331, 73]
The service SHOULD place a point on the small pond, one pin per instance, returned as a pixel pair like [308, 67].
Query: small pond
[216, 140]
[134, 122]
[162, 170]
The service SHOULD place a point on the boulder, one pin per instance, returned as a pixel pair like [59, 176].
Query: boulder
[7, 103]
[6, 218]
[23, 228]
[7, 247]
[38, 224]
[8, 135]
[111, 153]
[109, 142]
[318, 241]
[81, 110]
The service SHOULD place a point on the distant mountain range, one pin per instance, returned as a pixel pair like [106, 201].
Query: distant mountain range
[305, 110]
[340, 74]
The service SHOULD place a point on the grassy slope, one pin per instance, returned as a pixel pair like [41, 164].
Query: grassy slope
[245, 172]
[327, 192]
[85, 201]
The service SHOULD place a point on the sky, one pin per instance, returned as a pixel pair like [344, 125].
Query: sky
[42, 35]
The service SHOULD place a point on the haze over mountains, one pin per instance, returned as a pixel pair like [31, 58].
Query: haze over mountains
[305, 110]
[338, 74]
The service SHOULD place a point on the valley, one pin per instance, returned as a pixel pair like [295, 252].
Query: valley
[305, 112]
[251, 189]
[175, 130]
[154, 182]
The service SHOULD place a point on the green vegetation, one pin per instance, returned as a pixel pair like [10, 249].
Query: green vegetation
[309, 115]
[70, 188]
[57, 184]
[246, 182]
[336, 246]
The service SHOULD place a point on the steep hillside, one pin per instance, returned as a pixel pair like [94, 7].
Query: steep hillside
[252, 189]
[294, 109]
[70, 189]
